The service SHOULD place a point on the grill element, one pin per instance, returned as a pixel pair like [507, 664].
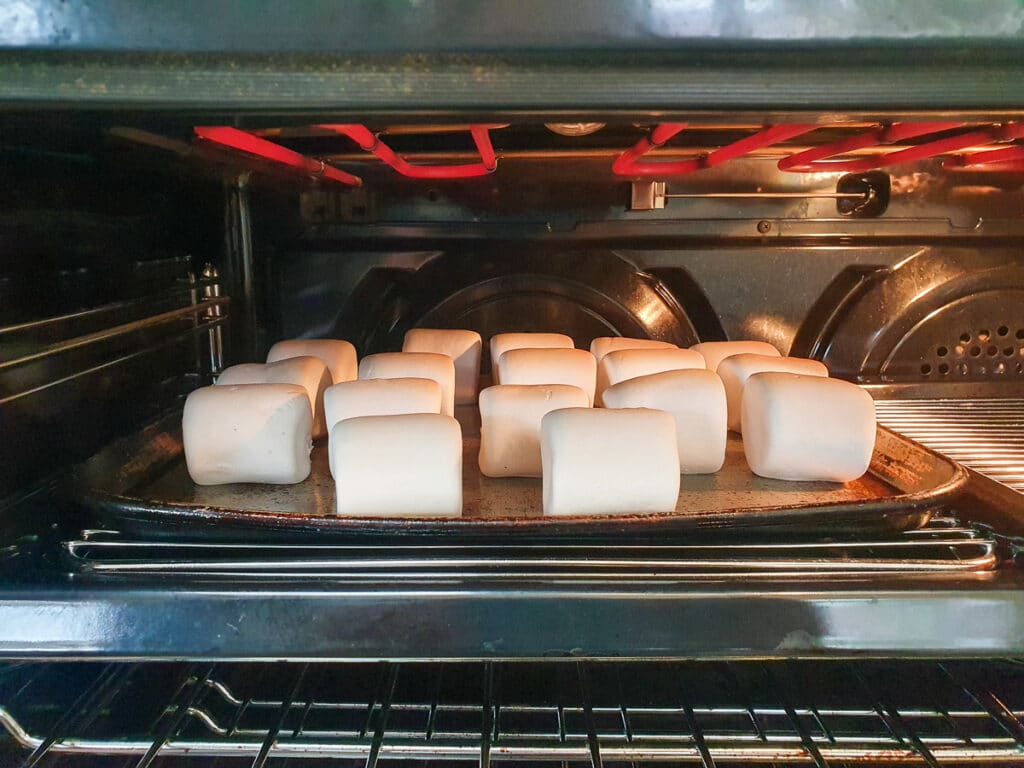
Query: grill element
[986, 435]
[752, 713]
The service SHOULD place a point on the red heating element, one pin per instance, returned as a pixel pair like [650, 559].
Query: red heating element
[268, 150]
[370, 142]
[816, 159]
[627, 164]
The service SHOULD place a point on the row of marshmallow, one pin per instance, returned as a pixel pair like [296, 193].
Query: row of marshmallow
[452, 359]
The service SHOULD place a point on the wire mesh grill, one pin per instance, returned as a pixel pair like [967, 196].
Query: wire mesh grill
[811, 713]
[985, 435]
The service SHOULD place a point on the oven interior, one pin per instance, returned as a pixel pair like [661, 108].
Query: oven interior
[141, 254]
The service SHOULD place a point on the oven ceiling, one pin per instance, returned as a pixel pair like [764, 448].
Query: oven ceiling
[766, 56]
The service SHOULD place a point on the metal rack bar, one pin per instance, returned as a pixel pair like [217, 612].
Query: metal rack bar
[271, 737]
[193, 690]
[115, 332]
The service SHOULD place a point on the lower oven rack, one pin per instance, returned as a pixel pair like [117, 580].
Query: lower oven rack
[576, 713]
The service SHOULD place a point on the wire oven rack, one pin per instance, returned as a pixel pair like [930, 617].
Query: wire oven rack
[943, 545]
[572, 713]
[986, 435]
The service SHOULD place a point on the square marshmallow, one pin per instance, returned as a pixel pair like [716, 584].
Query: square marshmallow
[250, 433]
[575, 367]
[736, 369]
[714, 352]
[408, 465]
[306, 371]
[604, 345]
[503, 342]
[624, 364]
[807, 427]
[510, 418]
[608, 462]
[339, 356]
[414, 365]
[463, 347]
[696, 399]
[379, 397]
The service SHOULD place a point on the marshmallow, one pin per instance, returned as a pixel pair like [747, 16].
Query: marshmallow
[379, 397]
[603, 345]
[696, 399]
[463, 347]
[626, 364]
[510, 418]
[807, 427]
[503, 342]
[736, 369]
[575, 367]
[414, 365]
[339, 356]
[408, 465]
[250, 433]
[306, 371]
[606, 462]
[715, 352]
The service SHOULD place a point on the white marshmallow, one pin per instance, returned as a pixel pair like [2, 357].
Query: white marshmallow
[626, 364]
[338, 355]
[414, 365]
[807, 427]
[715, 352]
[696, 400]
[409, 465]
[736, 369]
[463, 347]
[379, 397]
[604, 345]
[510, 418]
[575, 367]
[250, 433]
[606, 462]
[306, 371]
[503, 342]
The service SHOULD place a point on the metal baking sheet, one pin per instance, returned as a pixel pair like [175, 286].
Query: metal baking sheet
[142, 483]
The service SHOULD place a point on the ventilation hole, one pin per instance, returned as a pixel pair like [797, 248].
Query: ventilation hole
[992, 351]
[926, 369]
[975, 350]
[1002, 330]
[959, 350]
[942, 351]
[982, 370]
[963, 369]
[944, 369]
[1020, 333]
[1008, 351]
[983, 335]
[965, 338]
[1019, 367]
[1000, 368]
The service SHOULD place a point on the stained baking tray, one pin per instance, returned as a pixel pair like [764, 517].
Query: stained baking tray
[141, 485]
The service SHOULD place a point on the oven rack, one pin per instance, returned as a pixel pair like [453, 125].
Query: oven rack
[986, 435]
[943, 545]
[602, 714]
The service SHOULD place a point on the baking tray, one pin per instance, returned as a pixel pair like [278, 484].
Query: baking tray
[140, 484]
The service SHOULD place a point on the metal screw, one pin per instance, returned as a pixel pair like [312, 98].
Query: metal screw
[764, 227]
